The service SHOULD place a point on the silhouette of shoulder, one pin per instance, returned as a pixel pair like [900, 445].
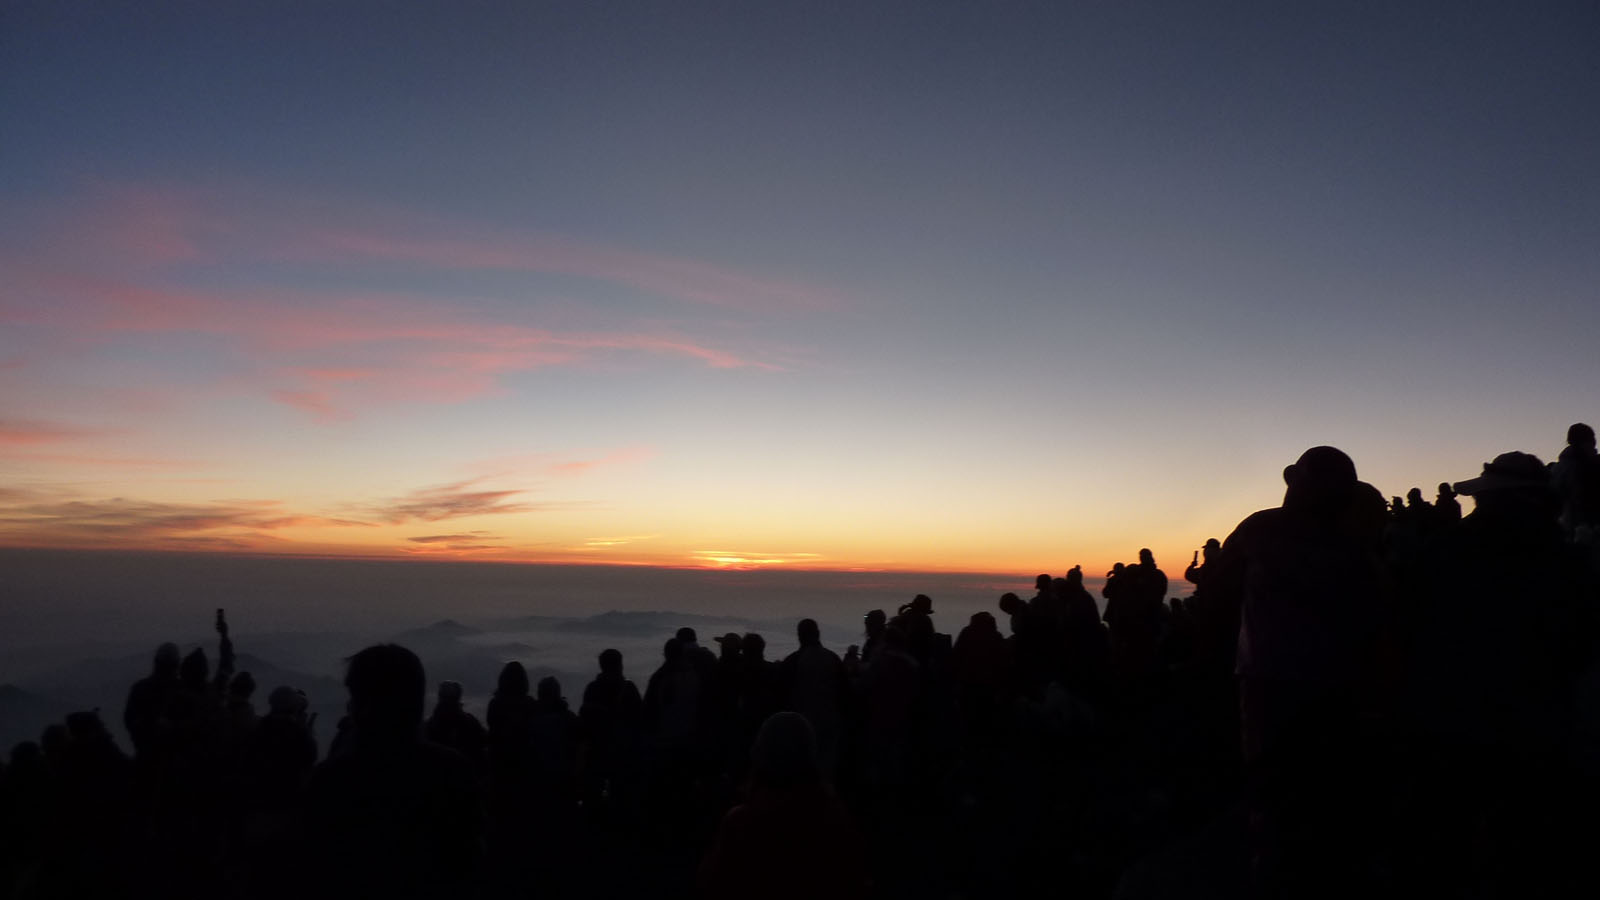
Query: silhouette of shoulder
[401, 819]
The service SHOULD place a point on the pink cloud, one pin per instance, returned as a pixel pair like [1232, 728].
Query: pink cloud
[551, 464]
[136, 225]
[465, 549]
[108, 265]
[107, 462]
[449, 538]
[39, 519]
[471, 542]
[334, 352]
[32, 432]
[317, 404]
[616, 458]
[152, 226]
[36, 441]
[338, 374]
[450, 501]
[689, 280]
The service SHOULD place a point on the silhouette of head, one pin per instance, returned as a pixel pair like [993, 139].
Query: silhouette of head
[166, 661]
[549, 689]
[194, 671]
[54, 740]
[1368, 514]
[286, 701]
[1319, 482]
[672, 650]
[26, 755]
[513, 681]
[983, 621]
[1075, 576]
[785, 753]
[728, 644]
[1010, 603]
[1512, 480]
[449, 693]
[921, 603]
[1146, 558]
[611, 661]
[876, 620]
[1581, 435]
[686, 635]
[895, 638]
[85, 727]
[387, 690]
[753, 645]
[808, 632]
[1414, 497]
[1211, 548]
[1041, 582]
[1445, 489]
[242, 686]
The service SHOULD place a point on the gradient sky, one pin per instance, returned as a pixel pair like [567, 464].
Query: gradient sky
[926, 286]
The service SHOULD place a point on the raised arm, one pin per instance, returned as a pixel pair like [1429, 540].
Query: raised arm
[224, 656]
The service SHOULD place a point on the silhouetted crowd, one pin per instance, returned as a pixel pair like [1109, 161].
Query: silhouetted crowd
[1359, 695]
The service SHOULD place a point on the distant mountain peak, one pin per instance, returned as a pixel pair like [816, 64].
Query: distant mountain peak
[444, 629]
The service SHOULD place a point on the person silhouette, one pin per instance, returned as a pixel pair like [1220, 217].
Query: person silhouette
[450, 725]
[875, 622]
[674, 698]
[1576, 476]
[761, 693]
[610, 721]
[240, 710]
[93, 782]
[792, 838]
[395, 816]
[272, 773]
[554, 732]
[1419, 512]
[703, 660]
[814, 682]
[1135, 598]
[1489, 699]
[982, 664]
[1086, 644]
[510, 710]
[1033, 651]
[1446, 508]
[1311, 590]
[1195, 574]
[915, 619]
[147, 711]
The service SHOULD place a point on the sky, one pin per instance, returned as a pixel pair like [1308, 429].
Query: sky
[892, 286]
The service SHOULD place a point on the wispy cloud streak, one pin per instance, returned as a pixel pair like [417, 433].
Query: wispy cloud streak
[119, 521]
[155, 226]
[690, 280]
[450, 501]
[330, 354]
[33, 432]
[318, 404]
[448, 538]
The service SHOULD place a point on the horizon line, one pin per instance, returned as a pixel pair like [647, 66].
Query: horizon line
[425, 559]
